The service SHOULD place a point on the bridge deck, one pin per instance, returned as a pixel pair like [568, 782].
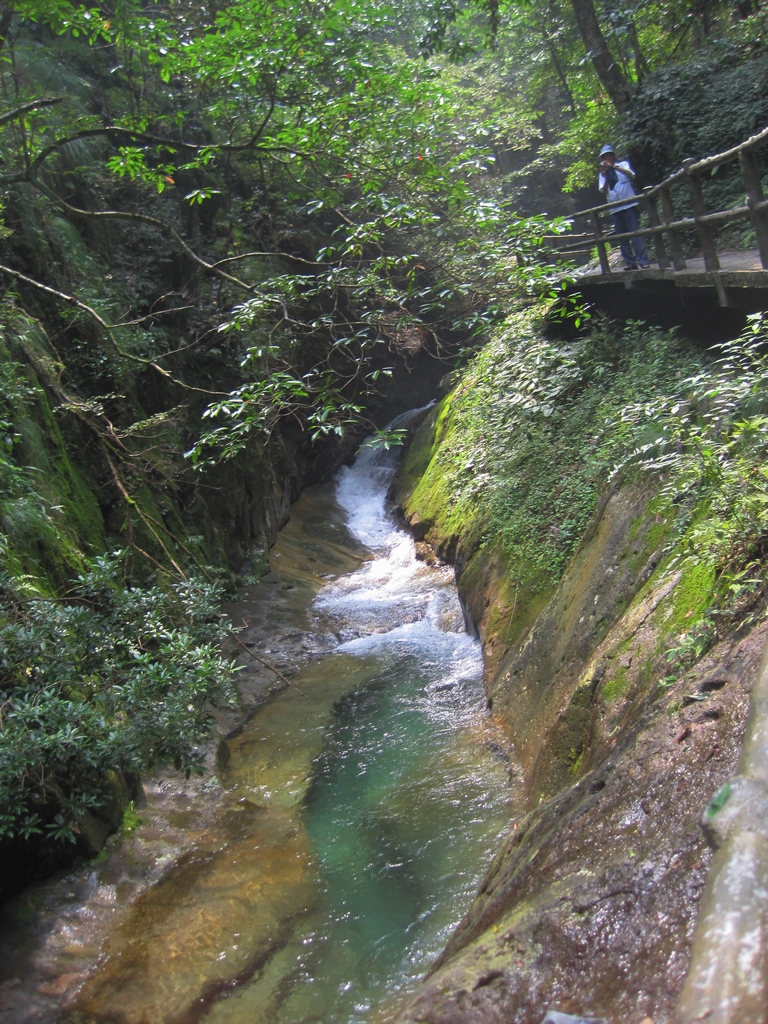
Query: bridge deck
[740, 282]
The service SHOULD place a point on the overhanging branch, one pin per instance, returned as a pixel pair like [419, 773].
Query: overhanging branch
[144, 218]
[106, 327]
[25, 108]
[171, 145]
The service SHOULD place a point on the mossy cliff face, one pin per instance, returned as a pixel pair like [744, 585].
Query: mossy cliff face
[590, 905]
[61, 508]
[227, 517]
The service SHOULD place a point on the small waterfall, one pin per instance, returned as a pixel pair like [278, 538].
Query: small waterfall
[393, 601]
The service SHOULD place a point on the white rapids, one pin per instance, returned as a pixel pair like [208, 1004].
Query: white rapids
[395, 603]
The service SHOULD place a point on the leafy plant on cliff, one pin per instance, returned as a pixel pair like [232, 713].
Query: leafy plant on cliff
[709, 440]
[114, 678]
[529, 437]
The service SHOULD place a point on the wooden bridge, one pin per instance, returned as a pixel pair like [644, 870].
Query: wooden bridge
[693, 263]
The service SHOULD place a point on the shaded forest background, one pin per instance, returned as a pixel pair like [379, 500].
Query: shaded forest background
[236, 238]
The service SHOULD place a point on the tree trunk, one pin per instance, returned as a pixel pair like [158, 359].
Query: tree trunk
[5, 25]
[608, 71]
[641, 64]
[493, 17]
[558, 66]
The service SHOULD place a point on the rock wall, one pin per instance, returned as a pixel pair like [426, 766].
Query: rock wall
[590, 905]
[229, 519]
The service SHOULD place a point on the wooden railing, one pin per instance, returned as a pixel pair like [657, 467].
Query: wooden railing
[665, 226]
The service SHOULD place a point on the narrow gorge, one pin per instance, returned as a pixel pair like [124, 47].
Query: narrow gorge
[382, 568]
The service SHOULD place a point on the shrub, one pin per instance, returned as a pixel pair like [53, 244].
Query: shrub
[115, 678]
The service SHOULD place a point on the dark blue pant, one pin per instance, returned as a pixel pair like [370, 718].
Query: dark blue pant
[629, 220]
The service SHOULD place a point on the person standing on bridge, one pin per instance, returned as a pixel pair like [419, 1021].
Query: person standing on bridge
[615, 183]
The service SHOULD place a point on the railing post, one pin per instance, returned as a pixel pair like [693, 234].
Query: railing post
[750, 173]
[706, 237]
[667, 218]
[602, 252]
[653, 217]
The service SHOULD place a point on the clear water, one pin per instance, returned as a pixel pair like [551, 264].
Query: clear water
[400, 814]
[357, 815]
[409, 796]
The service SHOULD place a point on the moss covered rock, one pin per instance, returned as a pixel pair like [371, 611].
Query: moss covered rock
[593, 670]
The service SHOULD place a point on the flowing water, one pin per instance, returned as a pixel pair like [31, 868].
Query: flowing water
[355, 816]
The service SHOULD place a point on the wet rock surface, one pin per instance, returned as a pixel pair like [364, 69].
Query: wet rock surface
[590, 906]
[728, 979]
[55, 935]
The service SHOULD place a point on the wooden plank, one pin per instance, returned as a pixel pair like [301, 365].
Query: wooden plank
[658, 239]
[704, 231]
[750, 173]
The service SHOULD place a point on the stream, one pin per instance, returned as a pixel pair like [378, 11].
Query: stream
[318, 873]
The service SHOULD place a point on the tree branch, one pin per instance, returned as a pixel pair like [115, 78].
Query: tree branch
[107, 328]
[132, 503]
[26, 107]
[171, 145]
[144, 218]
[150, 316]
[266, 664]
[282, 255]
